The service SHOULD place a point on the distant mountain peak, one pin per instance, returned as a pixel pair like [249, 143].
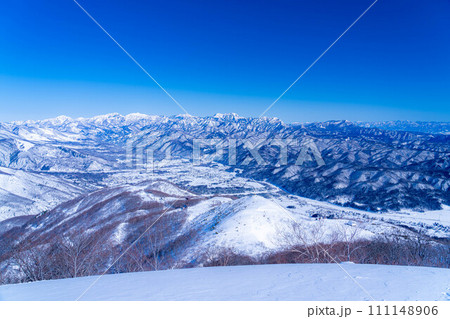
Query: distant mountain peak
[183, 116]
[63, 118]
[107, 116]
[59, 120]
[227, 116]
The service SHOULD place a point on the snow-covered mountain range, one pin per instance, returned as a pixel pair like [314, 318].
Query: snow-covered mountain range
[63, 176]
[363, 166]
[411, 126]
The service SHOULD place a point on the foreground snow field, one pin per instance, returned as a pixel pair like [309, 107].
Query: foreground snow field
[265, 282]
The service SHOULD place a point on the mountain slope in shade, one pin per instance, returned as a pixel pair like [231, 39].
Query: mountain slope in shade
[196, 226]
[26, 193]
[312, 282]
[363, 167]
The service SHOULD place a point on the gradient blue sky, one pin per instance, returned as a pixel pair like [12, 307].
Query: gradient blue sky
[226, 56]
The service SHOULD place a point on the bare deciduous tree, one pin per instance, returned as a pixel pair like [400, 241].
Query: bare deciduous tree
[34, 263]
[348, 237]
[306, 241]
[77, 255]
[148, 253]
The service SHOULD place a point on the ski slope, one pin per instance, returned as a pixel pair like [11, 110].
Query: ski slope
[264, 282]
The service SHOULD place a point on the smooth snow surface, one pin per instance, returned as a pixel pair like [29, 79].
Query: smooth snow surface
[266, 282]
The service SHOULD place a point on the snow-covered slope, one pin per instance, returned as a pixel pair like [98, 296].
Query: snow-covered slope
[197, 228]
[110, 211]
[363, 167]
[26, 193]
[62, 177]
[268, 282]
[411, 126]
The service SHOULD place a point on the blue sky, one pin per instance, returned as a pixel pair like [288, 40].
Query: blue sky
[227, 56]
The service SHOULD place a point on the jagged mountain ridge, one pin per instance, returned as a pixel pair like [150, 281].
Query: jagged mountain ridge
[411, 126]
[364, 167]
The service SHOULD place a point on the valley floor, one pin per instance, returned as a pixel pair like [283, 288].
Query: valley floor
[262, 282]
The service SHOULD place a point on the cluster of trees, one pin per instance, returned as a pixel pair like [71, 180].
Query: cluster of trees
[381, 250]
[81, 255]
[64, 257]
[148, 253]
[90, 254]
[308, 245]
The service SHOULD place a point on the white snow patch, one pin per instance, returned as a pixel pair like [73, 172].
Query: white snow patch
[312, 282]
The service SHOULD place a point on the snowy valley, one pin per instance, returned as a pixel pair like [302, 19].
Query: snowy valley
[70, 184]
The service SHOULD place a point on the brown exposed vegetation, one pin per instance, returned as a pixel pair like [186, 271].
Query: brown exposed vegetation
[91, 253]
